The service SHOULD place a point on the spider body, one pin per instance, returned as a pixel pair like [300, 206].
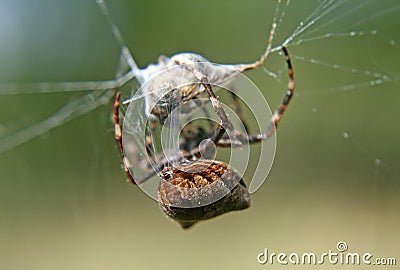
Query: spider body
[185, 185]
[196, 181]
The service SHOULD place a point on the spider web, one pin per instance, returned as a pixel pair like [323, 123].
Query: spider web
[352, 76]
[337, 143]
[366, 62]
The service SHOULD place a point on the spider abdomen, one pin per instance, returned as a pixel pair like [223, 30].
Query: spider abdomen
[202, 190]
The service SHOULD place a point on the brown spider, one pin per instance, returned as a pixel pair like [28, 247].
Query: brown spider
[182, 183]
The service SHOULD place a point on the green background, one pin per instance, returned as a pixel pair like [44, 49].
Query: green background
[64, 201]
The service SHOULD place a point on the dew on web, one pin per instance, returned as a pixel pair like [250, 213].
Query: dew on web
[378, 164]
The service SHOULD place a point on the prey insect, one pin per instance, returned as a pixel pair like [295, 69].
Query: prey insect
[180, 182]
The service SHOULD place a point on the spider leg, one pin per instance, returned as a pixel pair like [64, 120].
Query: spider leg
[276, 118]
[210, 123]
[159, 159]
[225, 123]
[225, 141]
[118, 135]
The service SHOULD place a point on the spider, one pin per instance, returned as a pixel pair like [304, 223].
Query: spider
[217, 179]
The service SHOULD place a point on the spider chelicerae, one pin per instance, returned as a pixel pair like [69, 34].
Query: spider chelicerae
[192, 177]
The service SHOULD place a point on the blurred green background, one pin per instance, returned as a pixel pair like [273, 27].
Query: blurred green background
[64, 201]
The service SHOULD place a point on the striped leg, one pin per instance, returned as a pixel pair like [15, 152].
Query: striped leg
[276, 118]
[225, 123]
[118, 135]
